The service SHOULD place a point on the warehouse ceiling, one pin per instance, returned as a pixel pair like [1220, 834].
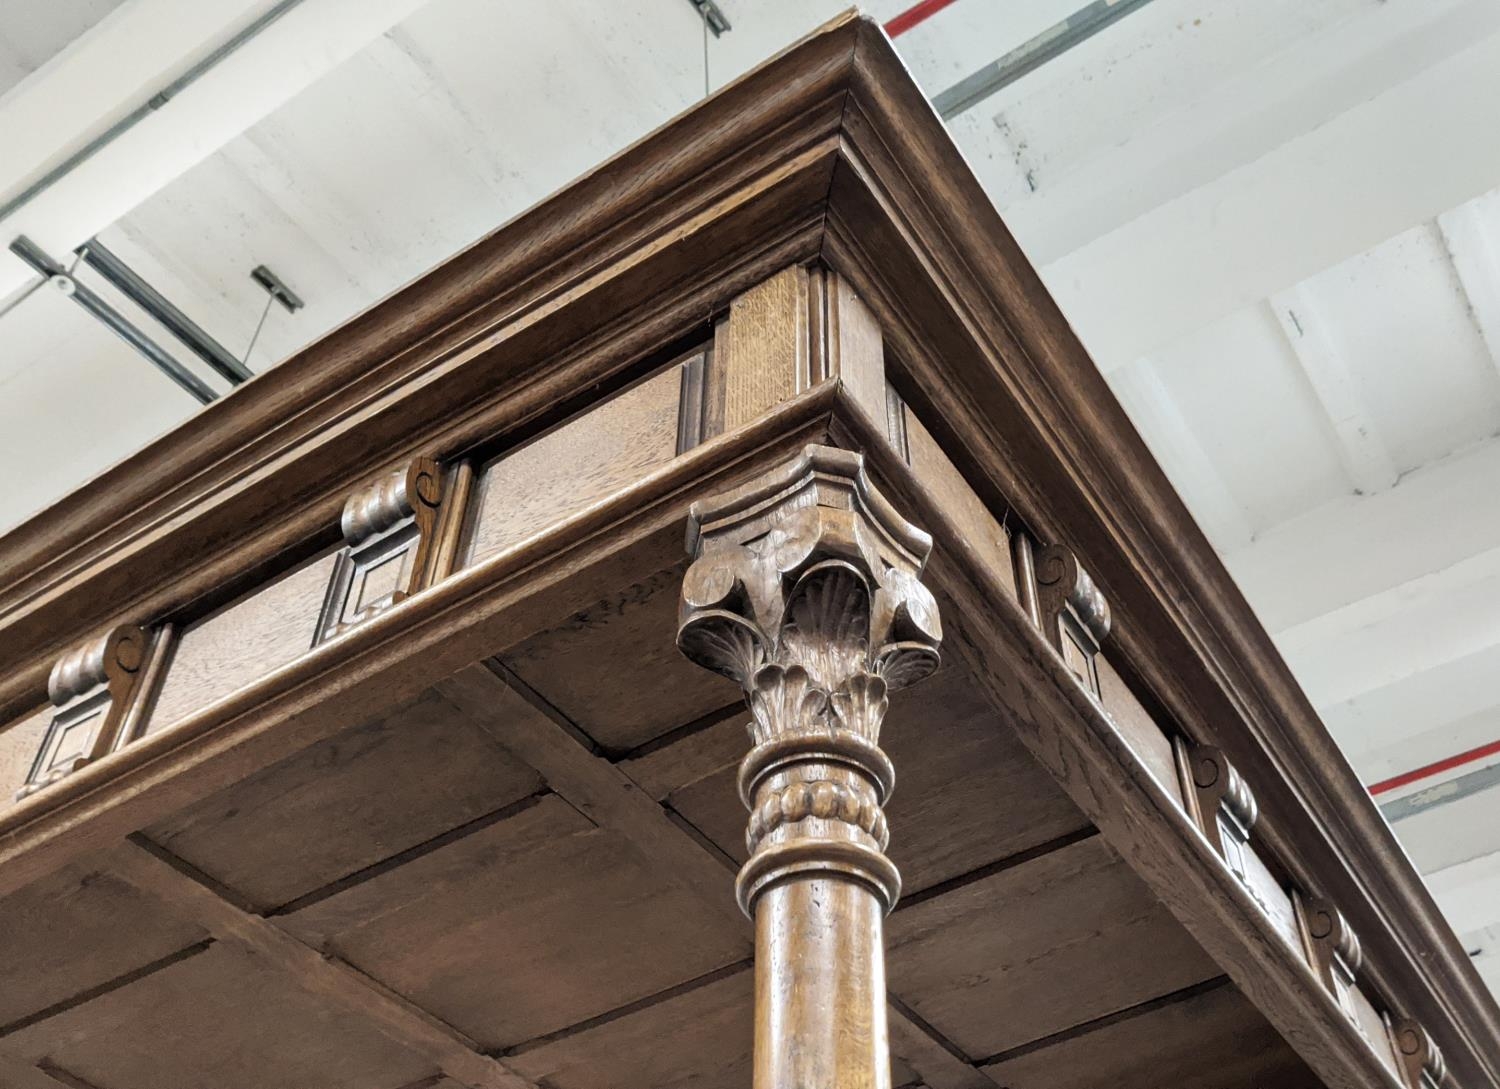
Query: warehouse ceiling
[1273, 222]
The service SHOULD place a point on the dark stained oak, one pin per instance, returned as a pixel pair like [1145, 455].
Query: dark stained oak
[494, 811]
[1038, 948]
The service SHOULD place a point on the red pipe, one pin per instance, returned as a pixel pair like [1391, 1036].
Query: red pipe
[917, 13]
[1437, 768]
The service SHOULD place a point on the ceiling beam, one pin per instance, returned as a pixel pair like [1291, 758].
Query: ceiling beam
[1155, 412]
[1466, 240]
[1354, 547]
[152, 870]
[125, 62]
[1336, 389]
[1165, 273]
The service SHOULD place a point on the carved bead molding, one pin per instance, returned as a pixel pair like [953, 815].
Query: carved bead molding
[1074, 614]
[92, 688]
[1332, 949]
[805, 591]
[1421, 1061]
[1222, 803]
[390, 528]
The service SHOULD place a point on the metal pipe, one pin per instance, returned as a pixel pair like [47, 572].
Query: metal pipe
[117, 322]
[1031, 55]
[138, 291]
[154, 103]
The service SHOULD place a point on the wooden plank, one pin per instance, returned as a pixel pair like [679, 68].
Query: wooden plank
[1210, 1039]
[1147, 739]
[856, 351]
[65, 935]
[593, 785]
[578, 664]
[525, 927]
[199, 1005]
[1038, 948]
[312, 972]
[351, 800]
[565, 470]
[271, 626]
[977, 527]
[19, 743]
[762, 352]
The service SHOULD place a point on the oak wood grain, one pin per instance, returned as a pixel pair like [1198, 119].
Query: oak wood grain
[580, 462]
[246, 640]
[362, 795]
[1038, 948]
[199, 1004]
[1213, 1039]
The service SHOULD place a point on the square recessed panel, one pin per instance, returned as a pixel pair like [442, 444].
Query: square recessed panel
[347, 802]
[1212, 1039]
[615, 670]
[77, 929]
[967, 793]
[218, 1018]
[1038, 948]
[525, 927]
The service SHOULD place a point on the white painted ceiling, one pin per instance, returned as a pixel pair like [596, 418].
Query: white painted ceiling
[1273, 223]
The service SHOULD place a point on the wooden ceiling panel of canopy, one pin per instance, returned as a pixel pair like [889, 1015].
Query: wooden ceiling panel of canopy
[366, 757]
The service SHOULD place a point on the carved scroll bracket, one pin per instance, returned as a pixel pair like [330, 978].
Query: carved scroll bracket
[1421, 1062]
[1073, 612]
[390, 531]
[805, 592]
[1221, 801]
[1332, 948]
[92, 688]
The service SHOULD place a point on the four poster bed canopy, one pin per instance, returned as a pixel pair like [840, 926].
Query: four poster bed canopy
[394, 722]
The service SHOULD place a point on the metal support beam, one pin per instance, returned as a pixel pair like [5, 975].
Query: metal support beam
[1031, 55]
[114, 320]
[138, 291]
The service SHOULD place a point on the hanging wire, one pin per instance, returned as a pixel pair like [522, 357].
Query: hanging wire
[258, 327]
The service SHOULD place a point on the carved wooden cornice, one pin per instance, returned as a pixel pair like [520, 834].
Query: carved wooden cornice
[827, 153]
[805, 593]
[92, 688]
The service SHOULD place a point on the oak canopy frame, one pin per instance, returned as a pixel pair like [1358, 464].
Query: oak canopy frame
[826, 156]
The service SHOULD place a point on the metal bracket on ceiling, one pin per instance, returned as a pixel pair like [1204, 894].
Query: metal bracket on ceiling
[276, 289]
[712, 16]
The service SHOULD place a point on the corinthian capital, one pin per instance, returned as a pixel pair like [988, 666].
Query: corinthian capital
[805, 591]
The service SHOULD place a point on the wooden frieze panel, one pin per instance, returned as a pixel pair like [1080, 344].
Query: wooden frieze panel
[19, 744]
[242, 642]
[565, 470]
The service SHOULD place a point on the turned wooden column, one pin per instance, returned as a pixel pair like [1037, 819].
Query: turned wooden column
[805, 592]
